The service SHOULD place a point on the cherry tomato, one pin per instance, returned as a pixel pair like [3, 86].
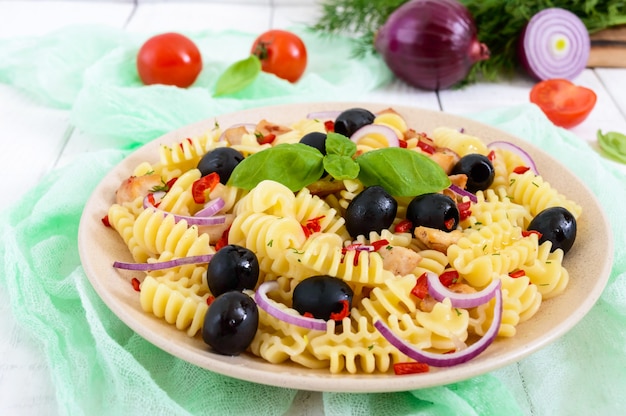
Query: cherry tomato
[281, 53]
[170, 59]
[565, 104]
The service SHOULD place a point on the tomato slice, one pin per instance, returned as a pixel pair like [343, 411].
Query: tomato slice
[564, 103]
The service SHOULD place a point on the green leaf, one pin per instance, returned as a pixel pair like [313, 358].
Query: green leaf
[341, 167]
[614, 144]
[238, 76]
[401, 172]
[339, 145]
[294, 165]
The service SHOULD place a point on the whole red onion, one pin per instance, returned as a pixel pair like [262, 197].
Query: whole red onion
[430, 44]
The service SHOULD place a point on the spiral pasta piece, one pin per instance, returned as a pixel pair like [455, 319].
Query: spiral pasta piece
[460, 143]
[494, 206]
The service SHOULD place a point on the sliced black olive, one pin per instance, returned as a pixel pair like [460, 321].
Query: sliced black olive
[321, 296]
[353, 119]
[371, 210]
[433, 211]
[479, 170]
[222, 160]
[556, 225]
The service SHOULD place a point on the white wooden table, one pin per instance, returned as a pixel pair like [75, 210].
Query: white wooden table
[48, 140]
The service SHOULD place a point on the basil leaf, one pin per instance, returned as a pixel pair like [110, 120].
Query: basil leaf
[340, 145]
[401, 172]
[614, 144]
[294, 165]
[238, 76]
[341, 167]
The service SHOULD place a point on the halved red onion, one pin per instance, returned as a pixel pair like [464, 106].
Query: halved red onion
[323, 115]
[554, 44]
[387, 132]
[528, 160]
[270, 307]
[460, 300]
[448, 359]
[462, 192]
[191, 220]
[211, 208]
[148, 267]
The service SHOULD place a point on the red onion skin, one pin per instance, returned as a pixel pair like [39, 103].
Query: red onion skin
[430, 44]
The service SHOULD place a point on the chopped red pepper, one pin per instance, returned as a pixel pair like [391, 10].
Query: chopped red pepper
[464, 209]
[223, 241]
[345, 311]
[379, 244]
[182, 145]
[313, 226]
[329, 126]
[308, 315]
[527, 233]
[152, 201]
[403, 226]
[268, 138]
[464, 214]
[420, 290]
[492, 155]
[517, 273]
[521, 169]
[201, 186]
[402, 144]
[210, 300]
[136, 284]
[449, 224]
[169, 184]
[426, 147]
[410, 368]
[449, 277]
[105, 221]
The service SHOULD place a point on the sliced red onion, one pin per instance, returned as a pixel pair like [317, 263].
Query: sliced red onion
[448, 359]
[211, 208]
[148, 267]
[387, 132]
[554, 44]
[528, 160]
[195, 220]
[462, 192]
[460, 300]
[248, 126]
[269, 306]
[323, 115]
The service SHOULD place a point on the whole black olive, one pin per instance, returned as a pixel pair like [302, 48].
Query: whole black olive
[233, 267]
[353, 119]
[433, 211]
[557, 225]
[315, 139]
[222, 160]
[322, 296]
[371, 210]
[230, 323]
[479, 170]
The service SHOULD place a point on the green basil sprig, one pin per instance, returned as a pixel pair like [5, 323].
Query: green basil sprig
[400, 171]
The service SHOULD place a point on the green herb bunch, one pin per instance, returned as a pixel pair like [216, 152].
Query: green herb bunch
[499, 24]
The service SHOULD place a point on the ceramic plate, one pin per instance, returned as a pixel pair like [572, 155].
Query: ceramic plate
[589, 263]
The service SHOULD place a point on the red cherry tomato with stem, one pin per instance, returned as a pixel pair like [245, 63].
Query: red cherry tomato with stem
[170, 59]
[281, 53]
[564, 103]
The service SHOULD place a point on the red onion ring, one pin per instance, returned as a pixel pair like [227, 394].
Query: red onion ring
[148, 267]
[270, 307]
[460, 300]
[387, 132]
[554, 44]
[518, 151]
[211, 208]
[323, 115]
[450, 359]
[195, 220]
[462, 192]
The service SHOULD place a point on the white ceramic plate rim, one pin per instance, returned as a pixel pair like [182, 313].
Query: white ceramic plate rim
[589, 264]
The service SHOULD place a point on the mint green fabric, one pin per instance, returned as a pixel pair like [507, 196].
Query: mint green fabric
[99, 366]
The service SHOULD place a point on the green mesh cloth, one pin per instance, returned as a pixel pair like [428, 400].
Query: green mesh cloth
[99, 366]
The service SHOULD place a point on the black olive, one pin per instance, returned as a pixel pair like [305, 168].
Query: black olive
[433, 211]
[371, 210]
[222, 160]
[557, 225]
[230, 323]
[479, 170]
[232, 268]
[353, 119]
[315, 139]
[321, 296]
